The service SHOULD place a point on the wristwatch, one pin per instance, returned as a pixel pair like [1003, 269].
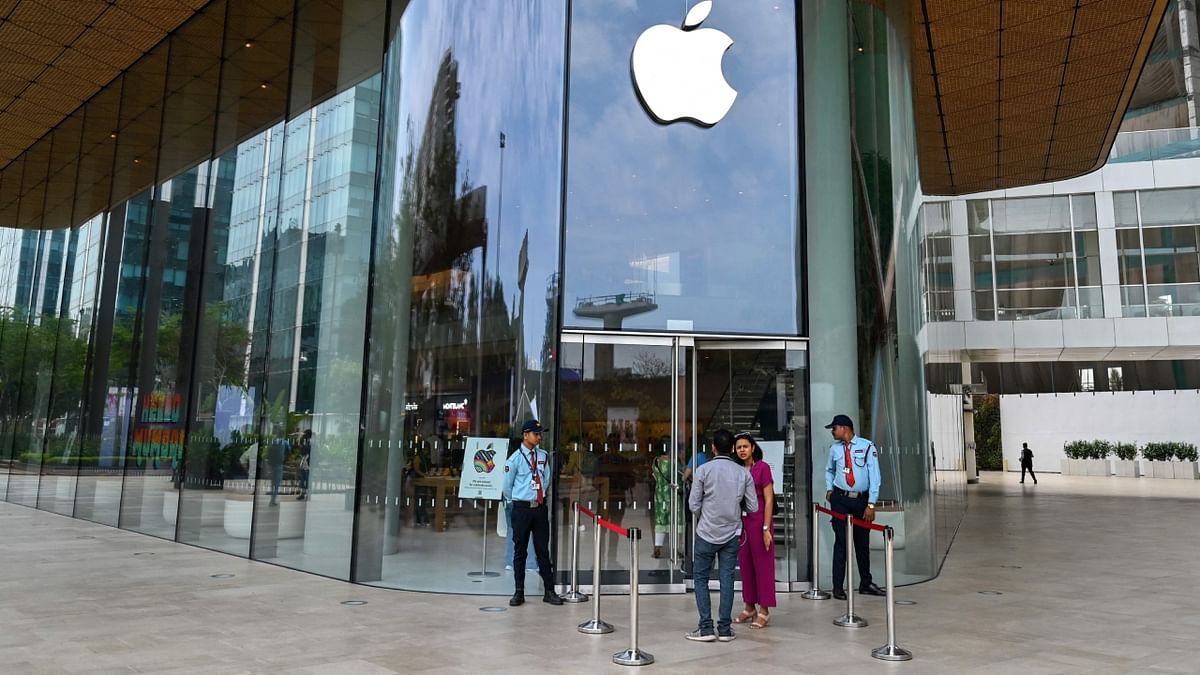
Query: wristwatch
[765, 528]
[870, 506]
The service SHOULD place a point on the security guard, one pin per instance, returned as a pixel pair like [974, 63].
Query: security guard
[851, 486]
[526, 484]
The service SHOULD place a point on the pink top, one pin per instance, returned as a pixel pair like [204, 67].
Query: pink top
[760, 473]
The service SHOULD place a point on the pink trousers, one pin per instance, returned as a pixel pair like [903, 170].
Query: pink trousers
[757, 563]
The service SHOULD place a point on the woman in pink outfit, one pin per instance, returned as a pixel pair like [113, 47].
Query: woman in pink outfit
[757, 555]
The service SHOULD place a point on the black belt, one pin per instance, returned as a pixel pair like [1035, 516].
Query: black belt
[862, 494]
[530, 505]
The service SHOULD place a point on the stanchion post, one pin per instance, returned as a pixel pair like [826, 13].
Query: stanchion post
[574, 595]
[890, 651]
[815, 593]
[595, 626]
[633, 656]
[849, 620]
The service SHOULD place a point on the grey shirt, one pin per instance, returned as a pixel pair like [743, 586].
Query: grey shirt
[721, 490]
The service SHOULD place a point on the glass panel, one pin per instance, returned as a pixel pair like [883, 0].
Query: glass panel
[1035, 303]
[1091, 303]
[1129, 257]
[1087, 258]
[984, 306]
[1031, 214]
[979, 217]
[1170, 207]
[760, 392]
[304, 514]
[465, 293]
[935, 218]
[1174, 300]
[1083, 210]
[1172, 254]
[1125, 209]
[1034, 260]
[617, 422]
[981, 262]
[1133, 300]
[656, 215]
[224, 442]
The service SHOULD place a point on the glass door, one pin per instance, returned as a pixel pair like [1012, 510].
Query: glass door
[760, 387]
[624, 432]
[636, 418]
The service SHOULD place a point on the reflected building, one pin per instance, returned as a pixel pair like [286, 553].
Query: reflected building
[286, 285]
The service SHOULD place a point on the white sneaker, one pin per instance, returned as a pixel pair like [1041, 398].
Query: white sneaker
[726, 638]
[701, 635]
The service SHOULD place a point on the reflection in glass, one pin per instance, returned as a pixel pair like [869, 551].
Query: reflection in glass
[680, 227]
[463, 324]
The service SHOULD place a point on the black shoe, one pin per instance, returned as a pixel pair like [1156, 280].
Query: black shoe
[518, 598]
[839, 594]
[552, 598]
[871, 589]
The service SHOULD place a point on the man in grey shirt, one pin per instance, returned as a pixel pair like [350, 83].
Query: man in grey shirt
[721, 491]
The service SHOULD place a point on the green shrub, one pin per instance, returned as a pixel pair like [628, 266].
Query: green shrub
[1170, 450]
[1096, 449]
[1125, 451]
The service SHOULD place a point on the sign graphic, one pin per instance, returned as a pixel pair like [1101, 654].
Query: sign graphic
[482, 476]
[677, 72]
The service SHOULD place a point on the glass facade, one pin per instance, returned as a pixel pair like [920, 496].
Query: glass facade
[1158, 248]
[278, 286]
[1035, 258]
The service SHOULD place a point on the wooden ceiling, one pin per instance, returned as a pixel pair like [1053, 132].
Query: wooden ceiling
[56, 54]
[1019, 92]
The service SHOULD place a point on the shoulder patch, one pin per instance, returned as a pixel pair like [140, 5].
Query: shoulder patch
[507, 468]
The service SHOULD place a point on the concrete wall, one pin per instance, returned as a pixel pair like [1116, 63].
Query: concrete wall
[1047, 421]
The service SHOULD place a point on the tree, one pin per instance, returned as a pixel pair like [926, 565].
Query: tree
[988, 452]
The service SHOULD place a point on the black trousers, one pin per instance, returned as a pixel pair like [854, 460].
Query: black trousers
[1029, 468]
[862, 541]
[535, 522]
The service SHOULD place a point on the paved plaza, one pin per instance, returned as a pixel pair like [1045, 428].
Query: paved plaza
[1075, 575]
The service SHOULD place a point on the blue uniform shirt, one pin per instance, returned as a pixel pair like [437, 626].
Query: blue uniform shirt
[865, 462]
[518, 475]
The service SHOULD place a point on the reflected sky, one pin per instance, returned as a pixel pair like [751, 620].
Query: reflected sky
[704, 220]
[510, 70]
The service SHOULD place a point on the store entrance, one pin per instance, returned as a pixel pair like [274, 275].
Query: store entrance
[636, 414]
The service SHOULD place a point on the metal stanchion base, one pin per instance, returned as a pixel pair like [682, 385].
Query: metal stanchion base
[574, 596]
[891, 653]
[816, 594]
[484, 573]
[850, 621]
[595, 627]
[633, 657]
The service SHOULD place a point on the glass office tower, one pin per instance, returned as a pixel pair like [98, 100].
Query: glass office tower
[279, 286]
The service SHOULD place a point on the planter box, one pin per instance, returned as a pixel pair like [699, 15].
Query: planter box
[1185, 470]
[239, 513]
[1158, 469]
[1129, 468]
[1086, 467]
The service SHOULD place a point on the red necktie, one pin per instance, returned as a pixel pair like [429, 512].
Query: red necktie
[849, 466]
[537, 477]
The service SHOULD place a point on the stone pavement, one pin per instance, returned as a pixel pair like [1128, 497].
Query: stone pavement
[1095, 575]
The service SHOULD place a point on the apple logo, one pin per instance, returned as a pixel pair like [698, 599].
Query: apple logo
[677, 73]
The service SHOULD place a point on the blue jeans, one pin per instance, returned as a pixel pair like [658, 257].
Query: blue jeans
[726, 555]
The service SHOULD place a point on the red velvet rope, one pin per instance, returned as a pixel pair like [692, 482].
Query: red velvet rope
[858, 522]
[622, 531]
[584, 511]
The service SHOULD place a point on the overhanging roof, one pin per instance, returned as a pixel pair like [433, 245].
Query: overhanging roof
[56, 54]
[1018, 92]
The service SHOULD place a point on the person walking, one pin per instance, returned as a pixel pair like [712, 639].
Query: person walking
[721, 491]
[526, 480]
[757, 555]
[852, 482]
[1027, 463]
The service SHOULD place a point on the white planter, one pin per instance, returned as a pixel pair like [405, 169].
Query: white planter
[170, 505]
[1185, 470]
[894, 520]
[239, 514]
[1159, 470]
[1086, 467]
[1129, 468]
